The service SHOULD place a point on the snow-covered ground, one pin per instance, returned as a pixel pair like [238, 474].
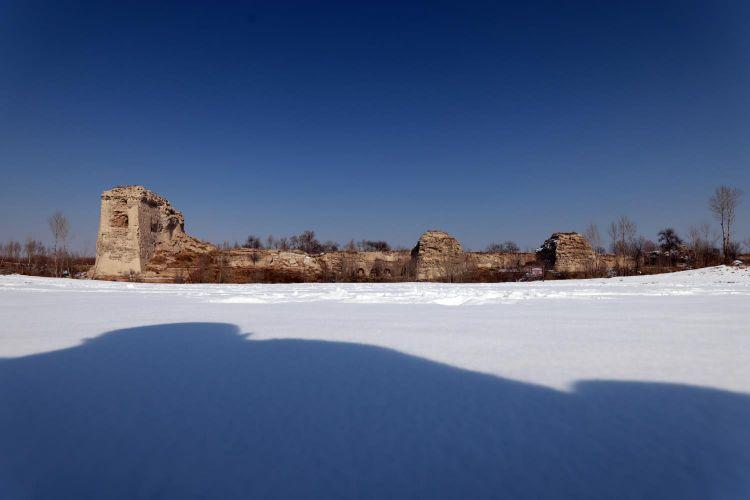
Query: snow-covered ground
[611, 388]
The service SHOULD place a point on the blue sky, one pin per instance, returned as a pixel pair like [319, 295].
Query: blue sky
[375, 120]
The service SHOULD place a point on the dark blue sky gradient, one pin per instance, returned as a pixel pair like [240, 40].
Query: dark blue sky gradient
[375, 120]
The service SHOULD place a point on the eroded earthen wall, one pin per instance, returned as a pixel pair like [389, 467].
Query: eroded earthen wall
[500, 260]
[141, 236]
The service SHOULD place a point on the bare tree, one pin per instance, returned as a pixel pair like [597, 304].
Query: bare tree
[307, 242]
[30, 247]
[670, 243]
[637, 248]
[702, 243]
[374, 246]
[504, 247]
[612, 232]
[59, 226]
[622, 232]
[253, 242]
[669, 240]
[594, 238]
[734, 249]
[89, 250]
[723, 205]
[330, 246]
[13, 251]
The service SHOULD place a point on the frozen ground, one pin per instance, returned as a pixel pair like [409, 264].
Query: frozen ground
[615, 388]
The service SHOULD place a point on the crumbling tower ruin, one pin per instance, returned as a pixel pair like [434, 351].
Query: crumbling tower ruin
[438, 256]
[568, 253]
[133, 223]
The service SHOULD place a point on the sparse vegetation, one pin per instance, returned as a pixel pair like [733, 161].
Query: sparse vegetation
[35, 259]
[59, 226]
[306, 242]
[594, 238]
[504, 247]
[703, 245]
[253, 242]
[723, 205]
[622, 232]
[374, 246]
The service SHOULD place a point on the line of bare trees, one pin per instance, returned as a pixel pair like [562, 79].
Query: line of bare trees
[723, 205]
[307, 242]
[32, 256]
[699, 249]
[504, 247]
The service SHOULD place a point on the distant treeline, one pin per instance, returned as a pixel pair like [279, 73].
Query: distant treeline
[308, 243]
[33, 257]
[702, 246]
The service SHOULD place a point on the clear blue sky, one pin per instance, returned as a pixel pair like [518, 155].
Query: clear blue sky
[375, 119]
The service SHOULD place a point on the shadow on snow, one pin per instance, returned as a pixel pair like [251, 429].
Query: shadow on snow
[197, 410]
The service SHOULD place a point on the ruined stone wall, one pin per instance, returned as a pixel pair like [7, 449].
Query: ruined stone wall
[500, 261]
[376, 266]
[253, 265]
[609, 261]
[243, 265]
[295, 265]
[141, 236]
[570, 253]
